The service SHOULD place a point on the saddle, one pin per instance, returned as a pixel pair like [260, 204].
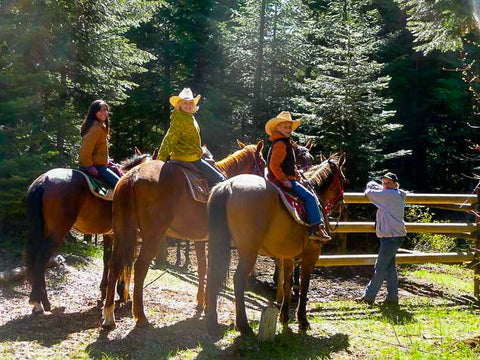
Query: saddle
[294, 205]
[197, 183]
[97, 186]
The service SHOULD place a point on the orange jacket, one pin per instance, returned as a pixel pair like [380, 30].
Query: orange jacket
[278, 153]
[94, 148]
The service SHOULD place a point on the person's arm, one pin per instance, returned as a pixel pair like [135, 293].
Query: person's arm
[170, 140]
[374, 192]
[279, 152]
[88, 145]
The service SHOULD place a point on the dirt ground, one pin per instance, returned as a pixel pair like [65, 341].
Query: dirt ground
[73, 290]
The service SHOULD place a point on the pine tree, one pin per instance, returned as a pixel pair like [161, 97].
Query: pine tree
[343, 102]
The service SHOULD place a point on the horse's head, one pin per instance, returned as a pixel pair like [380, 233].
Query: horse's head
[303, 158]
[329, 181]
[247, 160]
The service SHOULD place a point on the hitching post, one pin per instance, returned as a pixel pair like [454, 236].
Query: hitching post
[476, 269]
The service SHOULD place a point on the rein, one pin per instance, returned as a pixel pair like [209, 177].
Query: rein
[337, 181]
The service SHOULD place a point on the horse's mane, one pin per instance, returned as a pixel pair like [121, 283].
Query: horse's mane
[236, 158]
[321, 174]
[133, 161]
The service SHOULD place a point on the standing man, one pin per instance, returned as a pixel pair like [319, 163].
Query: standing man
[390, 229]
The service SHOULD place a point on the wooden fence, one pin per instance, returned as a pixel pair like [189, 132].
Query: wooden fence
[457, 202]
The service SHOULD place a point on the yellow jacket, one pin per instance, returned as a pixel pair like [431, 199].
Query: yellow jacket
[182, 140]
[94, 148]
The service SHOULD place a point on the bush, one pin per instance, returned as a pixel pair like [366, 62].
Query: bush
[427, 242]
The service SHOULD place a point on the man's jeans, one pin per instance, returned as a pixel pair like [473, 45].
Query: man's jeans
[385, 269]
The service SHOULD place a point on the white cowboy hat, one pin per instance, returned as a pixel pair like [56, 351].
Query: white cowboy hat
[185, 94]
[284, 116]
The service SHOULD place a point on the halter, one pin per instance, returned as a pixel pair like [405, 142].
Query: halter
[337, 181]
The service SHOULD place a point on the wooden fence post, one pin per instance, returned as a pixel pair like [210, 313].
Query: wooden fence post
[476, 268]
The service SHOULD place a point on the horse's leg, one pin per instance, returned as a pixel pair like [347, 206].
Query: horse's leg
[279, 279]
[296, 282]
[202, 271]
[309, 258]
[109, 307]
[287, 288]
[107, 253]
[150, 245]
[178, 254]
[187, 253]
[240, 281]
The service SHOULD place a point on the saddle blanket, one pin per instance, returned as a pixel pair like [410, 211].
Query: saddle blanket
[294, 206]
[97, 188]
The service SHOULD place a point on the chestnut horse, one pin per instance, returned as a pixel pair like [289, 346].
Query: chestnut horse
[58, 201]
[248, 211]
[155, 198]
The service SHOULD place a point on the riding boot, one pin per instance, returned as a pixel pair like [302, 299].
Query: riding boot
[319, 233]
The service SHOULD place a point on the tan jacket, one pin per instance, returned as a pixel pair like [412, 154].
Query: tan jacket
[94, 148]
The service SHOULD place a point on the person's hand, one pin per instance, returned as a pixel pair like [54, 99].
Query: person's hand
[287, 184]
[92, 170]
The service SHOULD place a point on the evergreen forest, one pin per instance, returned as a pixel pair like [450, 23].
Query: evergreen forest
[392, 83]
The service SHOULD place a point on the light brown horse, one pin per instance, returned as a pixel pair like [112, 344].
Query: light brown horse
[57, 201]
[155, 198]
[248, 211]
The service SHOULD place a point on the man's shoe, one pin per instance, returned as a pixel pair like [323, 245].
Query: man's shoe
[390, 303]
[362, 300]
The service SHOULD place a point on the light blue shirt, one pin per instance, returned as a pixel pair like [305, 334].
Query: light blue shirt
[391, 205]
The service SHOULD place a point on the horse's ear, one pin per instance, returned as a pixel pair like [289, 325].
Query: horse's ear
[309, 143]
[137, 151]
[240, 144]
[155, 153]
[260, 146]
[342, 159]
[322, 157]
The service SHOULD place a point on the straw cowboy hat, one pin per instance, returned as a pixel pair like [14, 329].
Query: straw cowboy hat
[185, 94]
[284, 116]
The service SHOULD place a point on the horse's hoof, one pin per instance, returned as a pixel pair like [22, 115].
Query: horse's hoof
[245, 331]
[108, 325]
[214, 330]
[304, 326]
[37, 308]
[141, 323]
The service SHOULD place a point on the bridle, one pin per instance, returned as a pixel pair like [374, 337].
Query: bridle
[338, 199]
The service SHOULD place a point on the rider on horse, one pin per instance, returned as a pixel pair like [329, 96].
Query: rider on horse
[281, 169]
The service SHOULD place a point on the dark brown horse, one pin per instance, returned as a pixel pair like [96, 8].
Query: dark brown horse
[248, 211]
[155, 199]
[57, 201]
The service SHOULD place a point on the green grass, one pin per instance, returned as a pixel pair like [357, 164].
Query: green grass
[445, 277]
[81, 248]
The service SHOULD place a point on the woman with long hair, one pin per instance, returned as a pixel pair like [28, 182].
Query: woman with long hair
[94, 148]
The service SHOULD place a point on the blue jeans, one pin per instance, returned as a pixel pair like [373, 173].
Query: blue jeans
[311, 203]
[108, 175]
[213, 175]
[385, 269]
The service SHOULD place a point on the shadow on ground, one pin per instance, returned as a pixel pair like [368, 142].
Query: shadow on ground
[190, 334]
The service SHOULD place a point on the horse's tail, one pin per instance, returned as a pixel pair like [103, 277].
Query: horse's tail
[35, 244]
[124, 227]
[218, 246]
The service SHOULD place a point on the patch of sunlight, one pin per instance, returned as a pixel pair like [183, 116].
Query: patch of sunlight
[187, 354]
[444, 280]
